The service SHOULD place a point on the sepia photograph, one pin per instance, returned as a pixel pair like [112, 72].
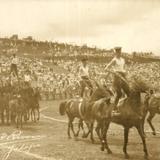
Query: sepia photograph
[79, 79]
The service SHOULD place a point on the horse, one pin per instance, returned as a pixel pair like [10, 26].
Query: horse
[35, 105]
[131, 115]
[81, 109]
[152, 105]
[4, 106]
[18, 110]
[31, 98]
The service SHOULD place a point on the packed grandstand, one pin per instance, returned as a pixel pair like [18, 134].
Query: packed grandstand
[53, 66]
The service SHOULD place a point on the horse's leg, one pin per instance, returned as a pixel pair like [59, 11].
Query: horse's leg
[2, 116]
[25, 116]
[79, 126]
[72, 128]
[104, 142]
[91, 131]
[98, 127]
[143, 121]
[7, 115]
[38, 113]
[21, 121]
[126, 131]
[28, 116]
[83, 130]
[88, 126]
[69, 135]
[149, 119]
[17, 120]
[34, 114]
[140, 131]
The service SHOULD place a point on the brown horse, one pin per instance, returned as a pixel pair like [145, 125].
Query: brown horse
[31, 98]
[152, 105]
[74, 108]
[4, 108]
[131, 116]
[82, 109]
[18, 111]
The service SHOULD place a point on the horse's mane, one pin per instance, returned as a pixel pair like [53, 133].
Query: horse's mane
[138, 85]
[101, 92]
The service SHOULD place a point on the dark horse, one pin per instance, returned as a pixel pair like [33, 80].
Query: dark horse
[152, 104]
[31, 98]
[131, 116]
[82, 109]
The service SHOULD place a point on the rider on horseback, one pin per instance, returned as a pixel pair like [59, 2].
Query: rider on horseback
[119, 82]
[84, 74]
[14, 64]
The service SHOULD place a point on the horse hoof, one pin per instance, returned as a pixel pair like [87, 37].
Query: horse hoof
[92, 141]
[84, 136]
[146, 157]
[102, 148]
[109, 151]
[76, 135]
[154, 133]
[126, 156]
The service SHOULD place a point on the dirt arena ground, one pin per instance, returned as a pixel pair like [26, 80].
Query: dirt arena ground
[47, 140]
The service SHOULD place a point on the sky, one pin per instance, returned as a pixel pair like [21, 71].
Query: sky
[132, 24]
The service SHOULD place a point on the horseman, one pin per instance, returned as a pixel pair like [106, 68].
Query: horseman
[14, 63]
[27, 78]
[84, 74]
[119, 82]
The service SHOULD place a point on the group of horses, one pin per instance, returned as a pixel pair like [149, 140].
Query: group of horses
[18, 104]
[98, 108]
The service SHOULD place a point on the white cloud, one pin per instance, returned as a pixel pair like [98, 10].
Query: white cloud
[132, 24]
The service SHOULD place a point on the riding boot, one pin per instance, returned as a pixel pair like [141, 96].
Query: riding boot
[91, 92]
[82, 93]
[115, 111]
[115, 104]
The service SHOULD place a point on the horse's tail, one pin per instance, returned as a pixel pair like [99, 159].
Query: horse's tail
[62, 108]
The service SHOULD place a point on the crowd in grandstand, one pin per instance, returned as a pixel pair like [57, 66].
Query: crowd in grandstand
[55, 84]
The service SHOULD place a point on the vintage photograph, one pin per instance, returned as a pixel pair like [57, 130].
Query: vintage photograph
[79, 79]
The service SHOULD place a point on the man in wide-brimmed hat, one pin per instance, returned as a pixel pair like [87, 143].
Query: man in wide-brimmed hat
[84, 74]
[119, 83]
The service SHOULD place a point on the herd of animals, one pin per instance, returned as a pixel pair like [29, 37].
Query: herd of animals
[18, 104]
[98, 110]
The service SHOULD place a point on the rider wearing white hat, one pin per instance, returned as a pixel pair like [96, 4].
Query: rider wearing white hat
[119, 82]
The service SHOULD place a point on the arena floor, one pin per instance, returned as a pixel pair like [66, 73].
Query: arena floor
[47, 140]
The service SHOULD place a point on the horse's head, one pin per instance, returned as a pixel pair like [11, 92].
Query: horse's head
[101, 92]
[139, 85]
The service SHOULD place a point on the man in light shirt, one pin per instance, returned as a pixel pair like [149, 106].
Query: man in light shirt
[84, 74]
[14, 64]
[119, 83]
[27, 78]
